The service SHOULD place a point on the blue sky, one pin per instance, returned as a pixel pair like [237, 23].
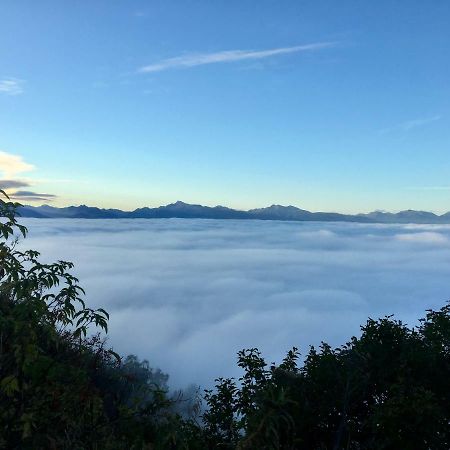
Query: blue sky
[321, 104]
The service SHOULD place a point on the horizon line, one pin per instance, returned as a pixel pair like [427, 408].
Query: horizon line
[382, 211]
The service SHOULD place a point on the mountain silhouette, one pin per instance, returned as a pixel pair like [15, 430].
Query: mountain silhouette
[183, 210]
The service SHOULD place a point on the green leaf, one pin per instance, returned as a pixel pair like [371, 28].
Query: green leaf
[9, 385]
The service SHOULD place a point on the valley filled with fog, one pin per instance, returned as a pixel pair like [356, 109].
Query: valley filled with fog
[188, 294]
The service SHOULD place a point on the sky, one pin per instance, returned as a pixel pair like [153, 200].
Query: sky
[189, 294]
[325, 105]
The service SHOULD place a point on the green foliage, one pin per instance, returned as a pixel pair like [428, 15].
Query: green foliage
[62, 388]
[388, 389]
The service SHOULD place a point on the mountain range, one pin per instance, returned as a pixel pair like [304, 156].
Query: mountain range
[188, 211]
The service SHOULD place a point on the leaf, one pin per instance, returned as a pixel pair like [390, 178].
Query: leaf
[9, 385]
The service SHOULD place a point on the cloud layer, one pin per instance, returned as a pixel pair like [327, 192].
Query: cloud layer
[199, 59]
[188, 294]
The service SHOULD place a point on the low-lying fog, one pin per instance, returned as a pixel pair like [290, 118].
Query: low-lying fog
[188, 294]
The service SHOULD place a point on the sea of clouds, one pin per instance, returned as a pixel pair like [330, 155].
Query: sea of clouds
[188, 294]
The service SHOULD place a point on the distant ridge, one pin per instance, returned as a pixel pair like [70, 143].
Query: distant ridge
[188, 211]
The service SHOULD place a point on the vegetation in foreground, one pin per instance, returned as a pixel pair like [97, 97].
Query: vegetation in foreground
[62, 388]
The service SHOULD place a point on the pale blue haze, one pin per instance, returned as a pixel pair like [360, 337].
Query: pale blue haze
[358, 124]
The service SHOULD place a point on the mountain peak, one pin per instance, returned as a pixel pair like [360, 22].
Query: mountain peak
[178, 204]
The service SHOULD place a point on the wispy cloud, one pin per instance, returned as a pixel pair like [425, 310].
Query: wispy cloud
[13, 184]
[32, 196]
[227, 56]
[11, 165]
[11, 86]
[430, 188]
[411, 124]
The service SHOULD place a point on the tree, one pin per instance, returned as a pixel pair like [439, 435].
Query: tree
[388, 389]
[60, 387]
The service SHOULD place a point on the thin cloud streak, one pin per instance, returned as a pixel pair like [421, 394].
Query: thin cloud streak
[419, 122]
[411, 124]
[32, 196]
[430, 188]
[13, 184]
[11, 86]
[227, 56]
